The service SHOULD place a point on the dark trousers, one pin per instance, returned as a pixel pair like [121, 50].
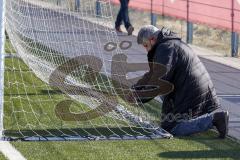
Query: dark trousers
[123, 15]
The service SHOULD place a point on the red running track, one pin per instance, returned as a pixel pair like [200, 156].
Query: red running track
[222, 14]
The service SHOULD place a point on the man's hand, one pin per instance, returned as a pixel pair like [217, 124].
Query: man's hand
[141, 93]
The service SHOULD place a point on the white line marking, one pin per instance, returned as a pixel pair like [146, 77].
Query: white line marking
[10, 152]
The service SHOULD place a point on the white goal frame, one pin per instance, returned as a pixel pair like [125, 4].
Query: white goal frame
[2, 41]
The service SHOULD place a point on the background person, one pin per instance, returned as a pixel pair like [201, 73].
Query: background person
[123, 17]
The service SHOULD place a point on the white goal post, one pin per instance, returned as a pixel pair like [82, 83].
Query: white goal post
[2, 38]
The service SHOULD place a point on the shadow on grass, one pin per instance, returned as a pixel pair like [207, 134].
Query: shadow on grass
[233, 153]
[217, 148]
[100, 131]
[42, 92]
[56, 91]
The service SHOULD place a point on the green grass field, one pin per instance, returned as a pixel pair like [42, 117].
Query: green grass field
[199, 146]
[2, 157]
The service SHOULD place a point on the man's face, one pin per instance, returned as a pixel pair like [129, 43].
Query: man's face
[148, 44]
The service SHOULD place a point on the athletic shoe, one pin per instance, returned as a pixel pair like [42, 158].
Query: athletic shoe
[118, 29]
[220, 121]
[130, 30]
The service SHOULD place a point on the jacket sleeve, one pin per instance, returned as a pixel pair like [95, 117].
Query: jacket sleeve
[145, 79]
[167, 57]
[160, 68]
[164, 56]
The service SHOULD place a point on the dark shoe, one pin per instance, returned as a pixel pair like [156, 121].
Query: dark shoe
[220, 121]
[130, 30]
[118, 29]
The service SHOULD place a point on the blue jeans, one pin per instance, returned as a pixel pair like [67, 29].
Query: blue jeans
[123, 15]
[199, 124]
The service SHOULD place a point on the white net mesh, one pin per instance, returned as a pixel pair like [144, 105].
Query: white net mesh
[58, 84]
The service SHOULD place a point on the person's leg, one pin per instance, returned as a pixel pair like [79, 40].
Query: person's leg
[203, 123]
[125, 16]
[119, 19]
[192, 126]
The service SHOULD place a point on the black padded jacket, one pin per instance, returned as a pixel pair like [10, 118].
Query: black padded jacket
[194, 93]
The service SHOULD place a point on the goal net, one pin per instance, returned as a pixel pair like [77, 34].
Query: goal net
[65, 79]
